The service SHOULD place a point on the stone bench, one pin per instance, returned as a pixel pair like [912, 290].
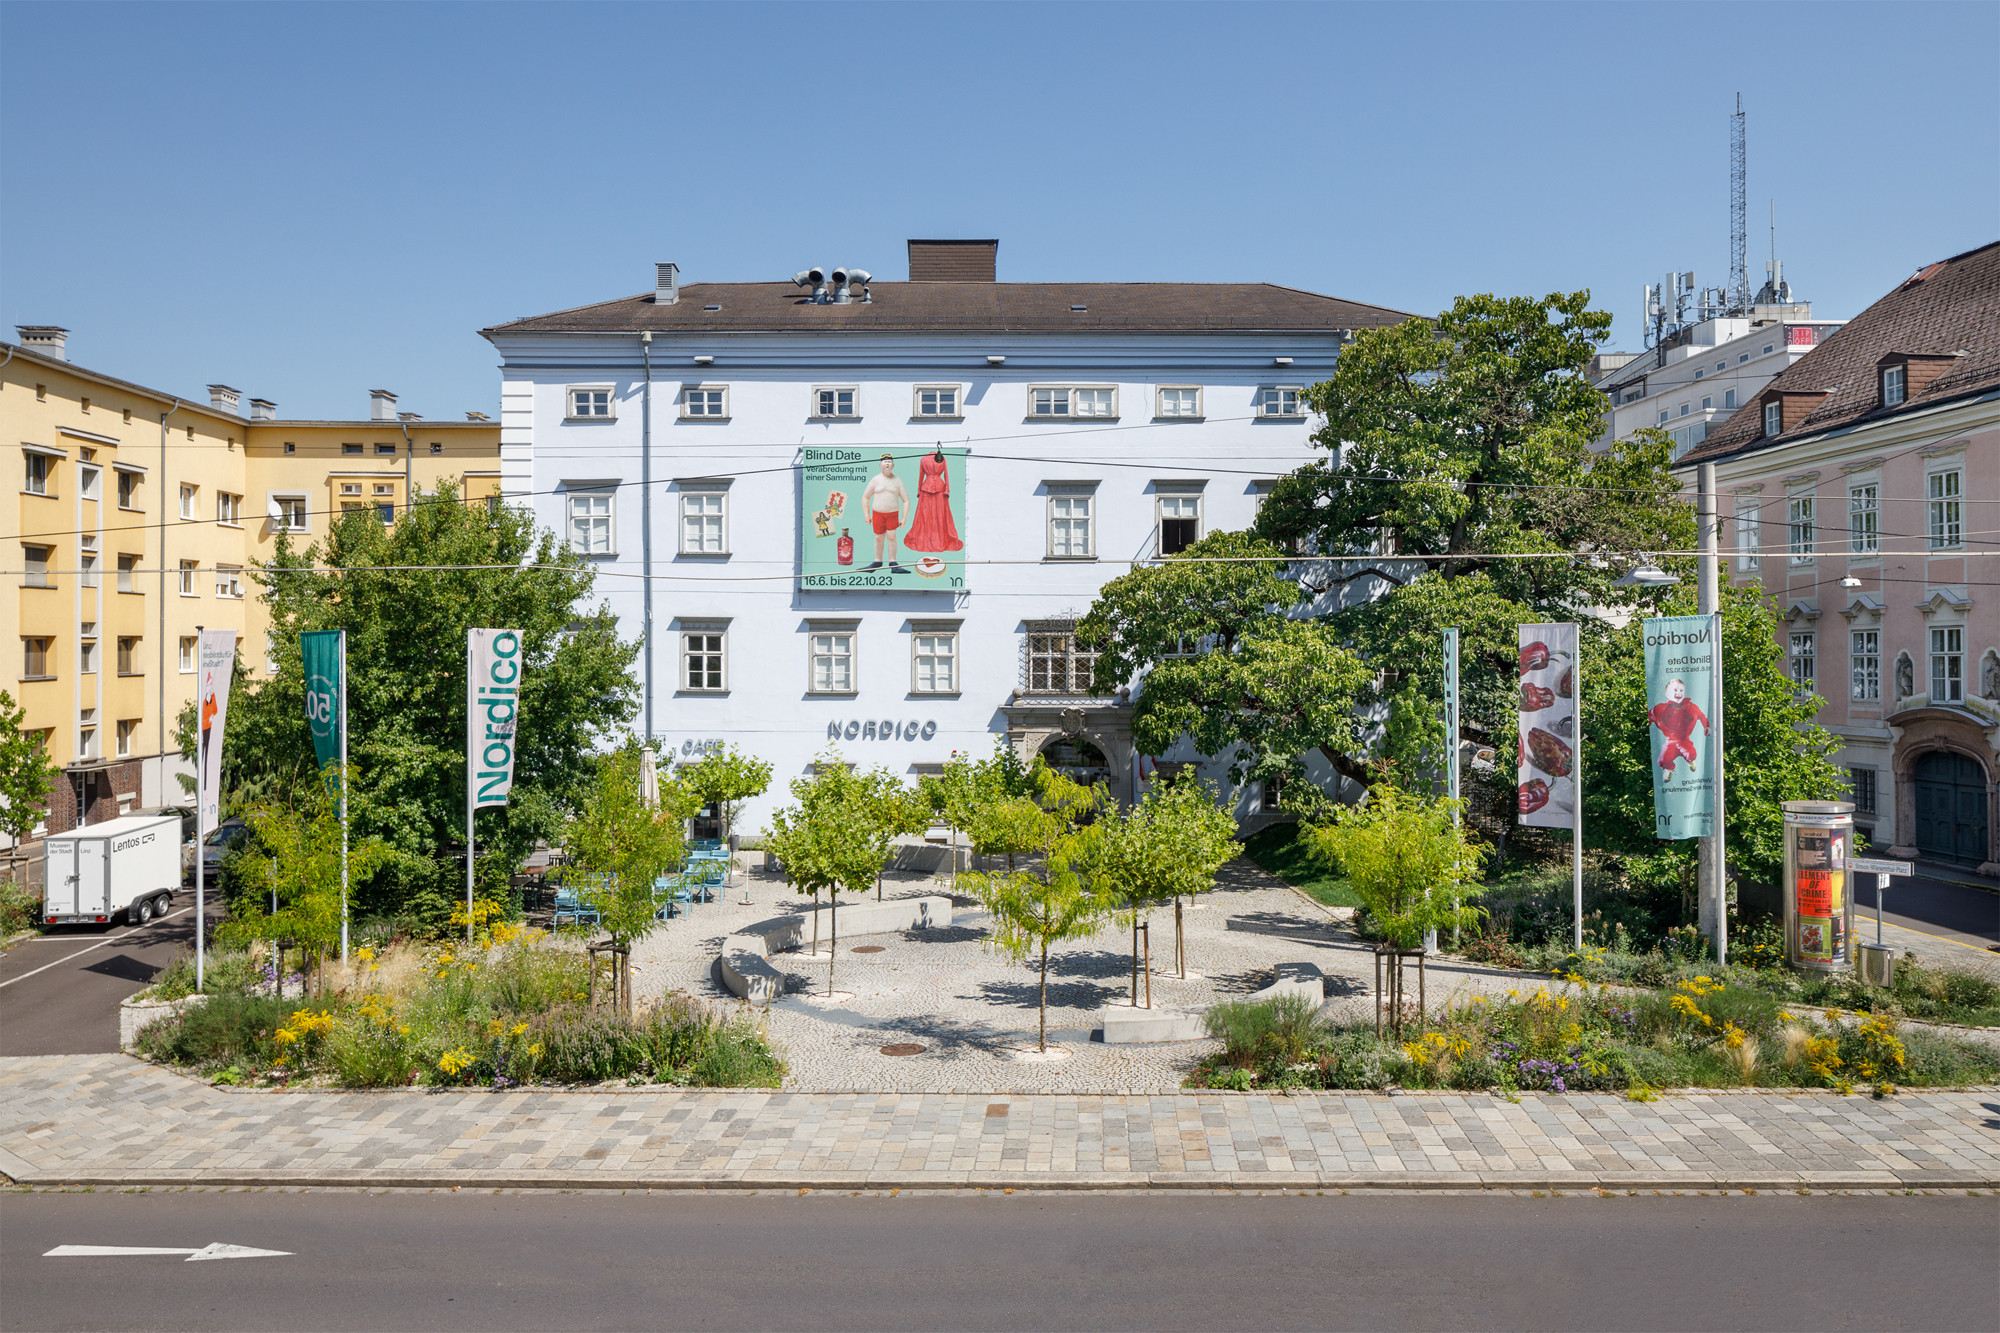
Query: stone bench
[744, 960]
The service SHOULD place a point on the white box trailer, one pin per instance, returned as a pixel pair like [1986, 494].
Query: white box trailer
[131, 864]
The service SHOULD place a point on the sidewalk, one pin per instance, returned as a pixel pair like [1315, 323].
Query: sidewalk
[110, 1120]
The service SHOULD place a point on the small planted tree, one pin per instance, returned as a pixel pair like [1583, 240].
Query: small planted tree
[1054, 897]
[625, 844]
[827, 840]
[895, 810]
[26, 775]
[1170, 845]
[723, 777]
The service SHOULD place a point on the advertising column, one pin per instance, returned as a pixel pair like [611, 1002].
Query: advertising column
[1819, 847]
[215, 665]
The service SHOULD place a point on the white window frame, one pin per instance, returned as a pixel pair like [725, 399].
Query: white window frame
[1802, 660]
[1178, 497]
[38, 472]
[89, 570]
[87, 477]
[189, 572]
[1749, 536]
[1774, 419]
[1944, 508]
[1895, 385]
[1799, 529]
[1947, 663]
[126, 660]
[190, 496]
[35, 567]
[586, 398]
[1729, 398]
[126, 726]
[1053, 397]
[229, 582]
[128, 489]
[1071, 654]
[720, 496]
[1107, 394]
[957, 392]
[228, 509]
[86, 657]
[282, 519]
[187, 654]
[688, 402]
[943, 639]
[33, 646]
[833, 642]
[820, 404]
[1865, 658]
[128, 574]
[1063, 518]
[689, 650]
[1864, 518]
[1160, 408]
[591, 496]
[1271, 400]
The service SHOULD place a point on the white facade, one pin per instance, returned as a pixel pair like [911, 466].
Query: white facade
[927, 672]
[1698, 378]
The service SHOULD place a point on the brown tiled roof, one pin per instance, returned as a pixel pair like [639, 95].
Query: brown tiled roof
[973, 307]
[1947, 307]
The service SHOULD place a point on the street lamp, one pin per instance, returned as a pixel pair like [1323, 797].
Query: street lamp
[1645, 574]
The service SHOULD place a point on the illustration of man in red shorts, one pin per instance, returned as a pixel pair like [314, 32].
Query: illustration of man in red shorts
[886, 503]
[1676, 719]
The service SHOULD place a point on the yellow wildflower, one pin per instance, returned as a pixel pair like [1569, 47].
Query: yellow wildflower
[454, 1060]
[518, 1029]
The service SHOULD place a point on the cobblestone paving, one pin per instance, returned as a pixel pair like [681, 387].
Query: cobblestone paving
[972, 1010]
[112, 1120]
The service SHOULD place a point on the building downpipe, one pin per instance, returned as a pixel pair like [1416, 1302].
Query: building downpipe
[646, 513]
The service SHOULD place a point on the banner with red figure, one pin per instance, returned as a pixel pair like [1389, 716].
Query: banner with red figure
[1680, 706]
[1547, 775]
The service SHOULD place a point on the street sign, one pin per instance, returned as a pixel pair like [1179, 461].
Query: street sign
[1868, 865]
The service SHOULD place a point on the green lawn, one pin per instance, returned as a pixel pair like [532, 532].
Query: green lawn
[1278, 850]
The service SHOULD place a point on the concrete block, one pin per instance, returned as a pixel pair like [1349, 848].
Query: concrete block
[1304, 980]
[136, 1014]
[743, 962]
[1125, 1025]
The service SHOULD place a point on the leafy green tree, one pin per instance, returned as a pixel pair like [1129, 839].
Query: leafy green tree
[829, 839]
[1170, 844]
[26, 775]
[1413, 866]
[1053, 897]
[722, 778]
[626, 844]
[406, 594]
[968, 787]
[895, 810]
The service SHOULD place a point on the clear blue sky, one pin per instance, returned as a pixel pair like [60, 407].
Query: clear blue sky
[310, 201]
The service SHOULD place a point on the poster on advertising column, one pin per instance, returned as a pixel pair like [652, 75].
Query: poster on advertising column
[1546, 777]
[1680, 701]
[890, 518]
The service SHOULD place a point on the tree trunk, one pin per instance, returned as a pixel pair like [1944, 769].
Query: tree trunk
[832, 935]
[1180, 948]
[1042, 1032]
[1135, 955]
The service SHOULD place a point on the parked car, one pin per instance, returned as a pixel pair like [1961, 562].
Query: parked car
[222, 839]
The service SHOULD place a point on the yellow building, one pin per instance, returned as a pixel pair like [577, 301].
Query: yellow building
[140, 517]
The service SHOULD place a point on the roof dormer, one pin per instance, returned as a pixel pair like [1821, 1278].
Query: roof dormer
[1902, 377]
[1785, 410]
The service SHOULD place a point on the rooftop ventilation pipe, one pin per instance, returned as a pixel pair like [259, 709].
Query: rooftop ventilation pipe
[224, 399]
[666, 284]
[263, 409]
[381, 405]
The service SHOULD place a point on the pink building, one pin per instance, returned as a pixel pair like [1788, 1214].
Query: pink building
[1862, 488]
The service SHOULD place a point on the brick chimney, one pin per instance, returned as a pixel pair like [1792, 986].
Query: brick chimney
[954, 261]
[381, 405]
[48, 339]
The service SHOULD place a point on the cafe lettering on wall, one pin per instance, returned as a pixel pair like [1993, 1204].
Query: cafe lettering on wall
[888, 729]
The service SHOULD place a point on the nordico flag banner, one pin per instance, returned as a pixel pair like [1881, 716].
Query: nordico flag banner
[1680, 700]
[320, 650]
[215, 665]
[1546, 776]
[492, 708]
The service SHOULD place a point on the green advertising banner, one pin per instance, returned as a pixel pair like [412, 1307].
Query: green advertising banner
[883, 518]
[325, 657]
[1680, 701]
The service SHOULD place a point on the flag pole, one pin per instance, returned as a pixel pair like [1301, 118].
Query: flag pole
[343, 797]
[200, 818]
[468, 786]
[1576, 761]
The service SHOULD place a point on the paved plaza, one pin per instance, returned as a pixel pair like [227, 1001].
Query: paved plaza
[113, 1120]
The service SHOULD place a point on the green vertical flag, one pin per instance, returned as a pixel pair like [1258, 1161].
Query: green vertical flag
[325, 692]
[1681, 700]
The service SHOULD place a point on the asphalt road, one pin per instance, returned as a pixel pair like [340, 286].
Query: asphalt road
[59, 992]
[1937, 902]
[1053, 1260]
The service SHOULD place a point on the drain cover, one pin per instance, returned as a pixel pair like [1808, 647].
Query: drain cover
[868, 948]
[902, 1048]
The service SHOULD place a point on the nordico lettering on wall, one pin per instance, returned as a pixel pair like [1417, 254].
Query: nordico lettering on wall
[876, 518]
[493, 709]
[888, 729]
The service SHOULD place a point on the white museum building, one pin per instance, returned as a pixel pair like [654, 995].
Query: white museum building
[857, 516]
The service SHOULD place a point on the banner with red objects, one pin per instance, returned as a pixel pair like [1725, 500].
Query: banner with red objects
[1680, 703]
[1547, 775]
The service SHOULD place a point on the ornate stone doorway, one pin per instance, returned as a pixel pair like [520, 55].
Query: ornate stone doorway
[1951, 807]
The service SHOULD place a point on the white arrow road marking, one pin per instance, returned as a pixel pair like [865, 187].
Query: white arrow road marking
[214, 1251]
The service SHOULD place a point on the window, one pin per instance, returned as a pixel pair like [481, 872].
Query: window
[1861, 788]
[1946, 529]
[1070, 522]
[35, 571]
[590, 522]
[1799, 528]
[39, 467]
[1684, 409]
[1698, 374]
[1729, 398]
[1865, 647]
[1056, 664]
[128, 490]
[1894, 379]
[704, 404]
[1863, 537]
[386, 450]
[350, 448]
[1271, 794]
[290, 447]
[1948, 664]
[833, 404]
[1768, 349]
[291, 512]
[35, 659]
[228, 508]
[1663, 416]
[1774, 417]
[1742, 357]
[1099, 403]
[1185, 646]
[385, 488]
[702, 523]
[189, 568]
[1722, 365]
[590, 402]
[701, 660]
[228, 581]
[1282, 401]
[934, 661]
[1048, 402]
[1179, 402]
[1707, 403]
[833, 661]
[1749, 539]
[385, 514]
[187, 501]
[86, 482]
[187, 654]
[350, 488]
[437, 447]
[86, 656]
[128, 568]
[1180, 523]
[128, 657]
[126, 726]
[1802, 658]
[86, 743]
[88, 558]
[937, 400]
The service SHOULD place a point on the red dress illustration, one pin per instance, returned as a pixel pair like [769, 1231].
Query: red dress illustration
[933, 529]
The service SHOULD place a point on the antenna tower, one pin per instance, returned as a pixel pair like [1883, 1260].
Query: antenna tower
[1739, 214]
